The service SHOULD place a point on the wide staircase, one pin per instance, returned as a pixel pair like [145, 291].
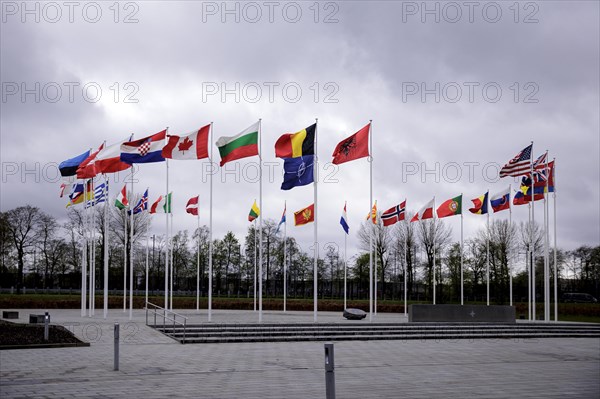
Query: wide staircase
[222, 333]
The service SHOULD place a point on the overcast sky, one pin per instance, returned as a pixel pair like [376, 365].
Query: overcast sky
[454, 92]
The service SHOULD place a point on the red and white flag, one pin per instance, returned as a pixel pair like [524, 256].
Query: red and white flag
[394, 215]
[426, 212]
[192, 206]
[193, 145]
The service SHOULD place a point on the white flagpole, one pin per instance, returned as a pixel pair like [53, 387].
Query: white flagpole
[405, 261]
[260, 223]
[532, 238]
[462, 302]
[87, 246]
[83, 261]
[172, 271]
[285, 259]
[345, 260]
[255, 248]
[510, 226]
[147, 258]
[375, 273]
[434, 231]
[167, 240]
[131, 257]
[106, 230]
[210, 232]
[487, 253]
[528, 264]
[316, 243]
[198, 265]
[371, 216]
[125, 252]
[546, 248]
[92, 222]
[555, 260]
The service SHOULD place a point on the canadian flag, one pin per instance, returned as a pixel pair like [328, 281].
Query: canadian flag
[426, 212]
[192, 206]
[193, 145]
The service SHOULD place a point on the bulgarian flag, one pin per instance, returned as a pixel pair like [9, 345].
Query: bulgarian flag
[242, 145]
[254, 212]
[162, 204]
[121, 201]
[451, 207]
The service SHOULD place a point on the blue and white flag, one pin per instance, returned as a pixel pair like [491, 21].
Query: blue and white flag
[142, 204]
[344, 220]
[282, 219]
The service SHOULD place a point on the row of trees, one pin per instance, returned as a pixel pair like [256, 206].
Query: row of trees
[38, 252]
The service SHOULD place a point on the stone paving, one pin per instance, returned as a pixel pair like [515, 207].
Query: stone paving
[155, 366]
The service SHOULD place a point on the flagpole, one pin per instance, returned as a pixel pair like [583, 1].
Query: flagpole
[147, 258]
[167, 239]
[172, 271]
[106, 230]
[434, 230]
[125, 255]
[371, 229]
[92, 222]
[131, 256]
[510, 227]
[316, 243]
[210, 233]
[255, 248]
[405, 261]
[260, 222]
[83, 260]
[528, 264]
[375, 272]
[88, 249]
[345, 261]
[532, 237]
[555, 262]
[198, 265]
[285, 259]
[487, 252]
[546, 248]
[462, 302]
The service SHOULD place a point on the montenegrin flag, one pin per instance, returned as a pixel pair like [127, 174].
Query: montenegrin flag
[242, 145]
[451, 207]
[193, 145]
[145, 150]
[304, 216]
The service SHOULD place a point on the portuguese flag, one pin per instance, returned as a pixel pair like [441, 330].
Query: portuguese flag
[451, 207]
[254, 212]
[242, 145]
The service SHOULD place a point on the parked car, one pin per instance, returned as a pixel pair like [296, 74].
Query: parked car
[578, 297]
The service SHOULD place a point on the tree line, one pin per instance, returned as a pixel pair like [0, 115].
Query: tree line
[36, 251]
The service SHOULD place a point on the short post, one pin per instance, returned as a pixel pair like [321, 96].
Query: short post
[116, 368]
[46, 326]
[329, 372]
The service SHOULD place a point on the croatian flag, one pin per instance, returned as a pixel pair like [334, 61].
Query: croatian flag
[146, 150]
[344, 220]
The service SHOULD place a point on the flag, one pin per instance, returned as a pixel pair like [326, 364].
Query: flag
[293, 145]
[76, 194]
[242, 145]
[99, 195]
[162, 204]
[450, 207]
[69, 167]
[121, 201]
[282, 221]
[192, 206]
[62, 189]
[480, 204]
[142, 204]
[193, 145]
[523, 195]
[426, 212]
[86, 169]
[540, 176]
[373, 214]
[108, 159]
[354, 147]
[254, 212]
[298, 172]
[394, 214]
[519, 165]
[144, 150]
[304, 216]
[500, 201]
[540, 162]
[344, 221]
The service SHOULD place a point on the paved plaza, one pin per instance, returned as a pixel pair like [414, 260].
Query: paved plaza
[155, 366]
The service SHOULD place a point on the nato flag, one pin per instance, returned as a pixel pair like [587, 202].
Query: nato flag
[297, 171]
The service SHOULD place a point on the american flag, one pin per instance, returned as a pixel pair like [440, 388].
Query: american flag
[520, 165]
[394, 214]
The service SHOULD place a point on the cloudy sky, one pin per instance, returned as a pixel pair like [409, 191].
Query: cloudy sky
[454, 92]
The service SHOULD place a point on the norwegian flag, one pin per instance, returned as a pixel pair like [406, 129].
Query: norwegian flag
[145, 150]
[394, 214]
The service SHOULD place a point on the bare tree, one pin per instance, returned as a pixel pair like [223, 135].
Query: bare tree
[434, 236]
[22, 223]
[382, 242]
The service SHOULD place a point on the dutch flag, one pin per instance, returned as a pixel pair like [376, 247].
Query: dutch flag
[344, 220]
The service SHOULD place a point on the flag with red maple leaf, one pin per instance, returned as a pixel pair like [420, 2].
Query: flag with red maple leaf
[193, 145]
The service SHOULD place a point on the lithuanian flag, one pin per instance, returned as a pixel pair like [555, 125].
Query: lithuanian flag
[254, 212]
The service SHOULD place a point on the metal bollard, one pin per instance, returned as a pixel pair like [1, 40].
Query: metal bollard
[116, 368]
[329, 372]
[46, 326]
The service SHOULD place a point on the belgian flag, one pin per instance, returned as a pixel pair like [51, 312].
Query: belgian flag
[293, 145]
